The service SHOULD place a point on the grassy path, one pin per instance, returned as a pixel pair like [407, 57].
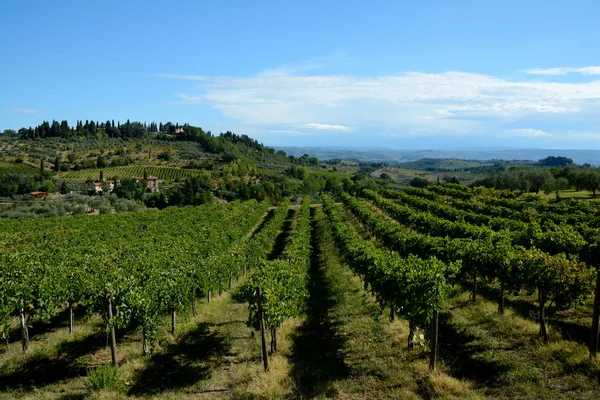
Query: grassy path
[347, 349]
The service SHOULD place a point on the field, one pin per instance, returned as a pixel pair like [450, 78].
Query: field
[12, 168]
[163, 173]
[344, 317]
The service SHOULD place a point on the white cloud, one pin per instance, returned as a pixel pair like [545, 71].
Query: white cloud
[528, 132]
[593, 70]
[325, 127]
[412, 103]
[23, 110]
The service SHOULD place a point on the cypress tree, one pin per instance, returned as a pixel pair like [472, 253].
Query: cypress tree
[57, 164]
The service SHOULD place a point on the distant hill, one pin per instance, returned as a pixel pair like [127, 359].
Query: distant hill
[399, 156]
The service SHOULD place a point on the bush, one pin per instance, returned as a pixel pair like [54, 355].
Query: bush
[419, 182]
[105, 209]
[164, 156]
[104, 377]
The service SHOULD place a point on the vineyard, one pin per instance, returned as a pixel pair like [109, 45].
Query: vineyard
[127, 172]
[9, 168]
[445, 292]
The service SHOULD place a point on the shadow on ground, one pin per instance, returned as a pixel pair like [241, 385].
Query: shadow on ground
[317, 354]
[182, 364]
[281, 239]
[38, 327]
[460, 353]
[41, 371]
[527, 310]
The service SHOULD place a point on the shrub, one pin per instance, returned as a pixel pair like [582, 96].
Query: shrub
[104, 377]
[164, 156]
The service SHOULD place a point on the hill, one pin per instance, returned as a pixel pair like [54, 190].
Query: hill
[484, 154]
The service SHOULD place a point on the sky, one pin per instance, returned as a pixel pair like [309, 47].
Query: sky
[392, 74]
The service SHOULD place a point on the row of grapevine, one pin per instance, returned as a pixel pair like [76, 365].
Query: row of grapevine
[130, 268]
[547, 236]
[564, 211]
[556, 278]
[413, 287]
[127, 172]
[451, 213]
[282, 282]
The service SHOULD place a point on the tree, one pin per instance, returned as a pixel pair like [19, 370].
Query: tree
[101, 176]
[591, 180]
[419, 182]
[556, 185]
[129, 189]
[537, 179]
[561, 184]
[63, 188]
[105, 187]
[101, 162]
[552, 161]
[57, 164]
[42, 166]
[9, 133]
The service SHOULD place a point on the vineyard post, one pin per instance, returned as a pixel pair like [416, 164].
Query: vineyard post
[474, 293]
[145, 341]
[261, 322]
[434, 340]
[595, 317]
[501, 300]
[542, 301]
[113, 339]
[71, 317]
[173, 321]
[273, 340]
[24, 332]
[194, 310]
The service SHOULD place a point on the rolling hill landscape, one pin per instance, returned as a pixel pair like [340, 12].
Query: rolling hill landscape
[299, 200]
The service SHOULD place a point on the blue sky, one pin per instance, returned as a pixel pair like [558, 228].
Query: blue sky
[401, 74]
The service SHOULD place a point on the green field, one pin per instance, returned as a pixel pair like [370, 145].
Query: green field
[163, 173]
[12, 168]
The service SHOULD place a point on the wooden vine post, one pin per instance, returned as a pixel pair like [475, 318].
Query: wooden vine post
[113, 338]
[71, 317]
[261, 322]
[24, 331]
[173, 321]
[434, 340]
[595, 317]
[194, 309]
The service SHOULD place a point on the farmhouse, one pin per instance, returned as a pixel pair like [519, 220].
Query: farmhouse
[151, 183]
[39, 195]
[98, 186]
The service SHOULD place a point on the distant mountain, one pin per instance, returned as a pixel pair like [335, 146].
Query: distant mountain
[399, 156]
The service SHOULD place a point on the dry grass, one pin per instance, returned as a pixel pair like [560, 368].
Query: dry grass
[505, 358]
